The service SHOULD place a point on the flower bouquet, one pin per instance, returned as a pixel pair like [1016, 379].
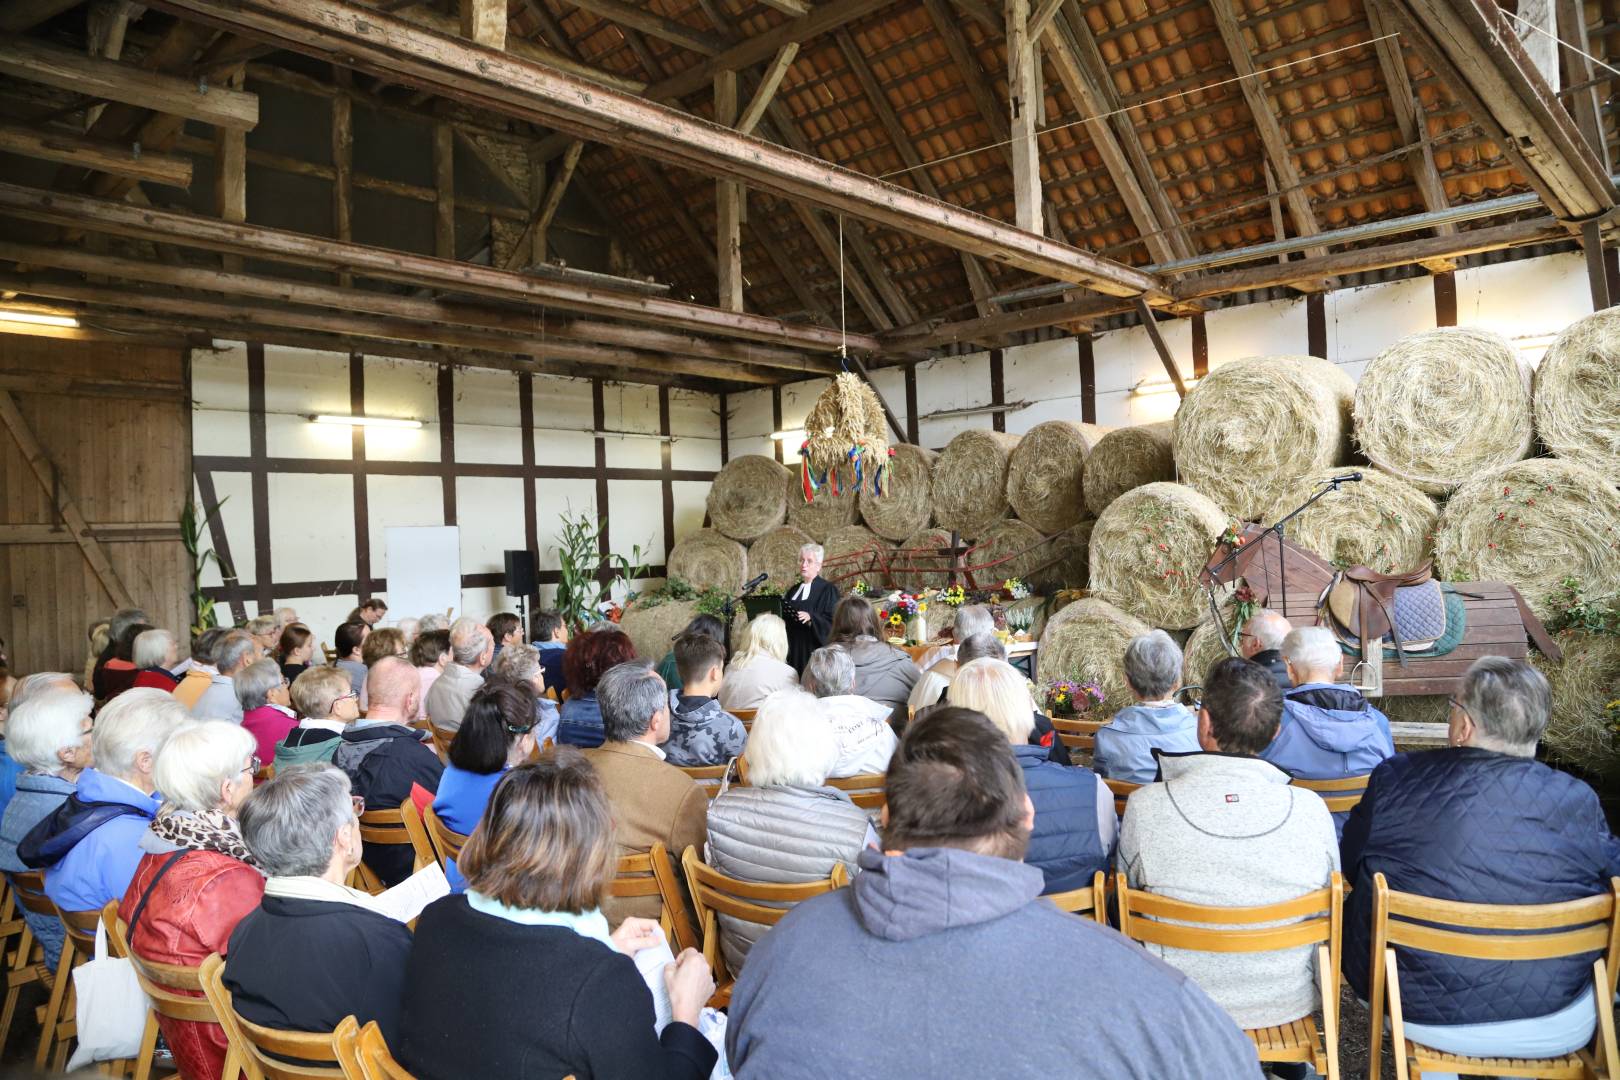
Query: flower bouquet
[1069, 699]
[1015, 589]
[904, 617]
[955, 596]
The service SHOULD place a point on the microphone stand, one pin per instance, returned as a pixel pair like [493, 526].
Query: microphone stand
[731, 613]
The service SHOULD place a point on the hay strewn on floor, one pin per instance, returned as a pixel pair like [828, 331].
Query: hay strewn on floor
[777, 554]
[1147, 551]
[1412, 708]
[826, 511]
[1438, 408]
[970, 482]
[1072, 550]
[1577, 393]
[652, 629]
[1586, 680]
[1009, 537]
[1382, 522]
[1086, 641]
[1127, 458]
[709, 560]
[1253, 424]
[916, 572]
[907, 503]
[1045, 474]
[1532, 524]
[749, 497]
[855, 549]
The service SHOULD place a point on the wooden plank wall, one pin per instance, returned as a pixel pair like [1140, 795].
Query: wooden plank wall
[115, 420]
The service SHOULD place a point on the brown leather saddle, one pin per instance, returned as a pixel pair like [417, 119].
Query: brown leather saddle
[1362, 605]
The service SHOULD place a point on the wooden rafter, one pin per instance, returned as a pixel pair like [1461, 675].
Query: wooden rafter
[484, 21]
[768, 85]
[642, 17]
[1023, 97]
[728, 205]
[20, 16]
[113, 80]
[97, 154]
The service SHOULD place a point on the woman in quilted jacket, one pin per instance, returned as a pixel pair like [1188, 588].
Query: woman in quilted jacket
[197, 879]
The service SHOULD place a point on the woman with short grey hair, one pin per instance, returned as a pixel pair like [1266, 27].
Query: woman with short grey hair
[520, 663]
[860, 725]
[267, 712]
[1155, 721]
[156, 654]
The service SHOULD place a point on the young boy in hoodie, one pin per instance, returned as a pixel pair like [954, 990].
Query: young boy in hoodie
[700, 731]
[1125, 745]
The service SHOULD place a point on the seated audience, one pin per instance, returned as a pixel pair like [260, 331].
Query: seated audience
[200, 675]
[235, 651]
[285, 617]
[703, 625]
[520, 663]
[520, 976]
[430, 653]
[496, 734]
[988, 646]
[266, 630]
[1075, 824]
[197, 879]
[761, 668]
[380, 643]
[787, 826]
[431, 622]
[85, 869]
[121, 621]
[384, 756]
[1483, 822]
[652, 800]
[860, 725]
[551, 638]
[48, 733]
[471, 650]
[1156, 721]
[294, 650]
[883, 673]
[314, 950]
[370, 612]
[266, 706]
[325, 704]
[1225, 828]
[156, 654]
[700, 731]
[98, 637]
[506, 628]
[118, 673]
[588, 658]
[1328, 730]
[350, 642]
[970, 619]
[946, 929]
[1261, 640]
[409, 628]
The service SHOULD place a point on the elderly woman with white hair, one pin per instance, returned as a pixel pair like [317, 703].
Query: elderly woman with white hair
[760, 669]
[938, 665]
[197, 879]
[48, 733]
[1075, 824]
[520, 663]
[266, 701]
[156, 654]
[1482, 822]
[807, 607]
[860, 725]
[1154, 721]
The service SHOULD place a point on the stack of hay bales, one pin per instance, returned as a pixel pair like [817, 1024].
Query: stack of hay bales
[1128, 458]
[777, 554]
[749, 497]
[709, 560]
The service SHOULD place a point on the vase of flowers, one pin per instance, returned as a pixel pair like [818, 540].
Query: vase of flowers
[1069, 699]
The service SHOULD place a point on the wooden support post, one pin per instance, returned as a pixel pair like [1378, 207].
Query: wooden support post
[1023, 92]
[767, 88]
[106, 24]
[728, 204]
[1571, 21]
[537, 253]
[444, 182]
[484, 21]
[1597, 272]
[230, 175]
[49, 477]
[1151, 325]
[533, 239]
[343, 170]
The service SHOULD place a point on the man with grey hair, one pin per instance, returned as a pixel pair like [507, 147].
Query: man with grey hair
[970, 620]
[236, 650]
[808, 608]
[861, 725]
[471, 650]
[1155, 721]
[653, 801]
[1261, 640]
[285, 617]
[199, 676]
[1329, 730]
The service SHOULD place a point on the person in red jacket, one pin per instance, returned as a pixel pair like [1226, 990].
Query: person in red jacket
[197, 879]
[156, 654]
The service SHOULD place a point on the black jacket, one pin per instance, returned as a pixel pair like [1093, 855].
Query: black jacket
[383, 761]
[490, 998]
[806, 639]
[1272, 661]
[304, 965]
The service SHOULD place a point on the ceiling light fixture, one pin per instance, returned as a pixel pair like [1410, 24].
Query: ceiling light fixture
[365, 421]
[37, 318]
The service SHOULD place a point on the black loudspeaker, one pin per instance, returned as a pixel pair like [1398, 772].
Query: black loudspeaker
[520, 574]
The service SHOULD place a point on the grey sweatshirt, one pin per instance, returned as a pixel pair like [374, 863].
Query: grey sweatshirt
[945, 964]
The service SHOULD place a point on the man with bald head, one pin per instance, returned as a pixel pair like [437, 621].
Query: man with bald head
[1261, 641]
[384, 756]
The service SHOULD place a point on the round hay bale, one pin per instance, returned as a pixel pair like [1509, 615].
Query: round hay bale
[1008, 537]
[1148, 548]
[1086, 641]
[916, 572]
[855, 549]
[970, 482]
[907, 503]
[1254, 422]
[1438, 408]
[749, 497]
[652, 629]
[1532, 524]
[1127, 458]
[1577, 393]
[777, 554]
[1072, 550]
[1586, 680]
[709, 560]
[1045, 474]
[1203, 648]
[1382, 522]
[828, 511]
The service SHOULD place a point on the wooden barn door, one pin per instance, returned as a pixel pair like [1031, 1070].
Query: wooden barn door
[95, 452]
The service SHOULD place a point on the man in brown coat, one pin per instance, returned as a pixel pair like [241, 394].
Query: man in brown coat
[653, 801]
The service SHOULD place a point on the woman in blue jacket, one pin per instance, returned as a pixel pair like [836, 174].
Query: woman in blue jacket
[496, 733]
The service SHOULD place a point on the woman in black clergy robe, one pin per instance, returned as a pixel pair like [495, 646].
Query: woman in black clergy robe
[808, 608]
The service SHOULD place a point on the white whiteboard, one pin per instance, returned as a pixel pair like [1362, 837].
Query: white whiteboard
[423, 570]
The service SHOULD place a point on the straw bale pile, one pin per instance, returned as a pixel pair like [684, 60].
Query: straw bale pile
[777, 554]
[1085, 641]
[1586, 680]
[652, 629]
[1072, 550]
[857, 549]
[916, 572]
[1147, 551]
[828, 511]
[970, 481]
[1127, 458]
[1577, 393]
[709, 560]
[1009, 537]
[1045, 474]
[907, 503]
[749, 497]
[1382, 522]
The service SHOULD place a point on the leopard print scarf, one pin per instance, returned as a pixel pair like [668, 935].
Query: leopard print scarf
[210, 830]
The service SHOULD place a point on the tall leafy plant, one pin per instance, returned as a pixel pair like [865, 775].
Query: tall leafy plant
[191, 534]
[580, 590]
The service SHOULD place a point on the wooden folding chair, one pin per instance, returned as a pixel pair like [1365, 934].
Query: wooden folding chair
[328, 652]
[446, 842]
[400, 826]
[61, 1025]
[27, 961]
[1090, 900]
[1341, 795]
[1492, 932]
[652, 874]
[1122, 793]
[1318, 920]
[1078, 736]
[865, 789]
[441, 741]
[746, 716]
[266, 1053]
[172, 990]
[714, 894]
[712, 778]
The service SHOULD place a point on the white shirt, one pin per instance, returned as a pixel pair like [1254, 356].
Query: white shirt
[803, 592]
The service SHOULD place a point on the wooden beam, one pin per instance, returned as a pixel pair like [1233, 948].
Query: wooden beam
[122, 532]
[934, 335]
[52, 65]
[1410, 120]
[484, 21]
[728, 205]
[343, 170]
[537, 226]
[105, 25]
[764, 238]
[20, 16]
[1151, 325]
[230, 175]
[644, 18]
[1023, 94]
[790, 7]
[1571, 22]
[50, 478]
[1040, 16]
[768, 84]
[98, 154]
[444, 184]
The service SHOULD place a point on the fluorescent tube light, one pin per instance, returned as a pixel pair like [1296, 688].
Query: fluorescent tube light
[1147, 388]
[37, 318]
[366, 421]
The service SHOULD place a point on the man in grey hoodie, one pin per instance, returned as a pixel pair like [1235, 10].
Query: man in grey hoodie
[961, 969]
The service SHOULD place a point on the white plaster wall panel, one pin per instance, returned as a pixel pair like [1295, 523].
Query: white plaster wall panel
[1114, 410]
[798, 398]
[488, 423]
[952, 382]
[480, 604]
[636, 516]
[750, 423]
[694, 419]
[553, 499]
[395, 501]
[689, 452]
[1276, 328]
[1124, 358]
[1530, 298]
[219, 392]
[891, 383]
[408, 390]
[311, 527]
[1361, 323]
[235, 491]
[690, 499]
[562, 420]
[299, 383]
[489, 511]
[324, 614]
[631, 408]
[1046, 374]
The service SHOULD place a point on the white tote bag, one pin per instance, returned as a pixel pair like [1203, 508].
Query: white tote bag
[112, 1007]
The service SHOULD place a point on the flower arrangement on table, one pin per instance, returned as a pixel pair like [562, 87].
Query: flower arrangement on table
[861, 588]
[955, 596]
[1015, 589]
[1067, 698]
[903, 608]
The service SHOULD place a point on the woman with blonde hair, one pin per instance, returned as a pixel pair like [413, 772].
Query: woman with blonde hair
[761, 668]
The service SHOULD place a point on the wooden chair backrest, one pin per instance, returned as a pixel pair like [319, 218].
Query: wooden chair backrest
[1341, 795]
[376, 1062]
[400, 826]
[1421, 922]
[255, 1045]
[714, 894]
[441, 741]
[865, 789]
[446, 842]
[1320, 916]
[712, 778]
[1077, 734]
[746, 716]
[1122, 793]
[1090, 900]
[329, 652]
[652, 874]
[81, 930]
[346, 1046]
[165, 984]
[29, 888]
